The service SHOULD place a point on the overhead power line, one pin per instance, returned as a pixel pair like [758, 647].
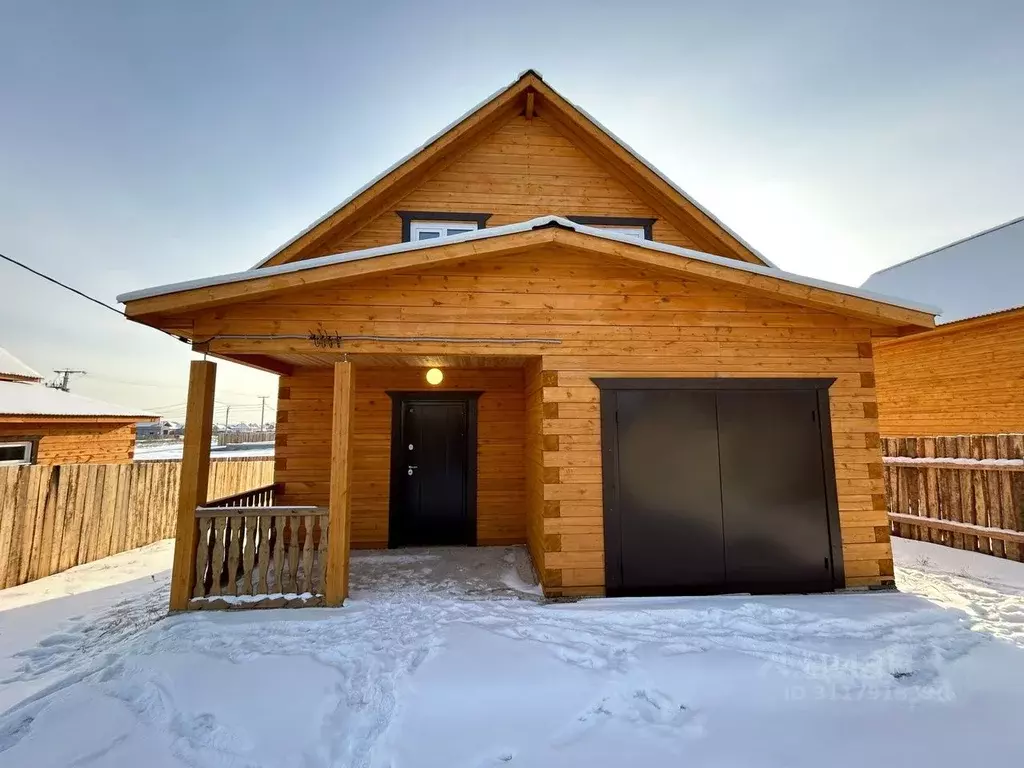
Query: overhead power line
[62, 285]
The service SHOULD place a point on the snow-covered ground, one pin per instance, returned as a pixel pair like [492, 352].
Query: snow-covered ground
[172, 451]
[451, 660]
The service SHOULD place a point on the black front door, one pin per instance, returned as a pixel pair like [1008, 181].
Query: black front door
[433, 470]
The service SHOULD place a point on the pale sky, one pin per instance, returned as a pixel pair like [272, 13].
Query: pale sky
[143, 142]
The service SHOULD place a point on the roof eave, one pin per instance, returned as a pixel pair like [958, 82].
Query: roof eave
[475, 244]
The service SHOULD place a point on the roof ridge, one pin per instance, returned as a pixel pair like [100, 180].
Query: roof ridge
[25, 372]
[962, 240]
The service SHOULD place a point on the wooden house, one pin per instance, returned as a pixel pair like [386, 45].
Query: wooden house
[967, 375]
[522, 333]
[42, 425]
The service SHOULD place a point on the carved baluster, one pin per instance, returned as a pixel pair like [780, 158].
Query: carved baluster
[281, 556]
[293, 555]
[250, 526]
[202, 556]
[321, 556]
[217, 564]
[307, 555]
[263, 583]
[234, 540]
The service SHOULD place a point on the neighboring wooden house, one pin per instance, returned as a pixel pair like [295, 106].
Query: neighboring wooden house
[523, 333]
[967, 375]
[41, 425]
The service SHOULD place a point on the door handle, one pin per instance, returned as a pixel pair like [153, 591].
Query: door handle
[412, 467]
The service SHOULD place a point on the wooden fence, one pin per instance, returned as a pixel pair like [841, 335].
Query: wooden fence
[235, 438]
[56, 517]
[964, 491]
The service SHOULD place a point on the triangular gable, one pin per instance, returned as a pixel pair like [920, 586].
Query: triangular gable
[183, 298]
[529, 94]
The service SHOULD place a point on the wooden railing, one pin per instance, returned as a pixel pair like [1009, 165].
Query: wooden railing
[255, 555]
[257, 497]
[965, 492]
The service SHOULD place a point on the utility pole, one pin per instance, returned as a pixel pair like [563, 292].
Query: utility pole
[263, 410]
[64, 376]
[227, 412]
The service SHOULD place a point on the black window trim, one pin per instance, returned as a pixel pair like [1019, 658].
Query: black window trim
[408, 217]
[616, 221]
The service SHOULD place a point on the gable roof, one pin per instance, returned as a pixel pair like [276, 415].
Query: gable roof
[12, 367]
[497, 107]
[19, 398]
[978, 275]
[242, 286]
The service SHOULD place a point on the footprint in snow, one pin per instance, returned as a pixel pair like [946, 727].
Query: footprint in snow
[503, 757]
[646, 707]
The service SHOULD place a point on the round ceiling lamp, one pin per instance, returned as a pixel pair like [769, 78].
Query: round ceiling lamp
[434, 377]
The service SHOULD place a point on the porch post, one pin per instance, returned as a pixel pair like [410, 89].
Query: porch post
[195, 476]
[339, 521]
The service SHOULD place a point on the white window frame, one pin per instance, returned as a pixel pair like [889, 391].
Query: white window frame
[27, 445]
[441, 228]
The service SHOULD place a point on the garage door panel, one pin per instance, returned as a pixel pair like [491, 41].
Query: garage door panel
[669, 490]
[773, 491]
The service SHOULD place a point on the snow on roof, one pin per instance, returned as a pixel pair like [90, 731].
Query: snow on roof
[12, 366]
[19, 398]
[509, 229]
[979, 275]
[477, 108]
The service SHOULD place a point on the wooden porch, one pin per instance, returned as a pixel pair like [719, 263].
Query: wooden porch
[248, 547]
[287, 544]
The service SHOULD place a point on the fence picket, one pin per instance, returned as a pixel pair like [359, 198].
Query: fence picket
[975, 503]
[53, 517]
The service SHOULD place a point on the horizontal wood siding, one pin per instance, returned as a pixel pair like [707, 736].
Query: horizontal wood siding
[523, 170]
[534, 455]
[953, 382]
[78, 443]
[304, 437]
[611, 319]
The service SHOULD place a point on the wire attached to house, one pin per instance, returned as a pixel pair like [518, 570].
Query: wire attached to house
[62, 285]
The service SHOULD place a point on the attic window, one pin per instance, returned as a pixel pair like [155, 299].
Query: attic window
[16, 453]
[432, 230]
[634, 232]
[639, 228]
[434, 225]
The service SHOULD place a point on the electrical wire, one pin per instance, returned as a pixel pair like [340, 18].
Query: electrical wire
[62, 285]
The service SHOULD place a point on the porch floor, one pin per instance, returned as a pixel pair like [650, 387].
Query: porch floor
[475, 573]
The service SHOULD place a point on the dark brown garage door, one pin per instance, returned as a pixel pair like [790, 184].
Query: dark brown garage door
[721, 485]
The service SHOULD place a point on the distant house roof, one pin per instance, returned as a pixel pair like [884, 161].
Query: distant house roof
[12, 367]
[19, 398]
[542, 222]
[979, 275]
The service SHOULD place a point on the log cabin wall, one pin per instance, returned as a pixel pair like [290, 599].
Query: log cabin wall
[612, 319]
[75, 442]
[522, 170]
[953, 381]
[302, 450]
[534, 460]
